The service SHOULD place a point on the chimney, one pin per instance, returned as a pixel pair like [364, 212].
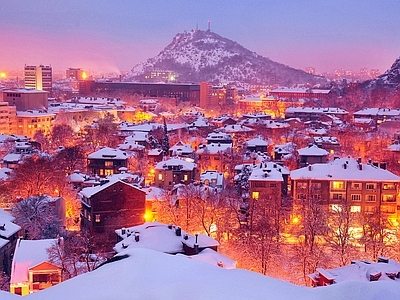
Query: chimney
[123, 231]
[360, 167]
[383, 165]
[309, 167]
[196, 245]
[376, 164]
[359, 160]
[345, 166]
[178, 231]
[137, 236]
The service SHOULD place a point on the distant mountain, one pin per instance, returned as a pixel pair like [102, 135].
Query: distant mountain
[206, 56]
[389, 80]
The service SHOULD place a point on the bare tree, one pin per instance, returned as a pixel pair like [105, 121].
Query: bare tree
[75, 254]
[36, 218]
[61, 135]
[37, 175]
[377, 235]
[4, 282]
[341, 234]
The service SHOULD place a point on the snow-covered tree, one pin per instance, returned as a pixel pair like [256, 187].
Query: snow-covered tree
[36, 218]
[37, 175]
[75, 254]
[165, 141]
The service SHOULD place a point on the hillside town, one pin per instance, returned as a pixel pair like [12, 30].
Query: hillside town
[275, 180]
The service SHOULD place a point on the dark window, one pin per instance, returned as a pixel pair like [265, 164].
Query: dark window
[18, 291]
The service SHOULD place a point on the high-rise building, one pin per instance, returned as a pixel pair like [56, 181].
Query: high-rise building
[8, 118]
[205, 94]
[76, 73]
[38, 77]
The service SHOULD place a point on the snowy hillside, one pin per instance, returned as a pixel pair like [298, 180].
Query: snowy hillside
[147, 274]
[390, 79]
[206, 56]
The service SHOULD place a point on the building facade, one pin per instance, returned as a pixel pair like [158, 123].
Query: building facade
[8, 118]
[25, 99]
[38, 77]
[110, 206]
[29, 122]
[365, 188]
[107, 161]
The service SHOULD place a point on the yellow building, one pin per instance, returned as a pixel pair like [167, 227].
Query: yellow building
[31, 271]
[28, 122]
[8, 118]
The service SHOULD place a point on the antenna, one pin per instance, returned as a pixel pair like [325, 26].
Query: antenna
[209, 25]
[197, 26]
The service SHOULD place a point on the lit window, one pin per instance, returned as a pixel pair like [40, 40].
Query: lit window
[160, 177]
[336, 208]
[108, 163]
[355, 209]
[389, 186]
[388, 198]
[388, 209]
[337, 185]
[97, 218]
[185, 177]
[255, 195]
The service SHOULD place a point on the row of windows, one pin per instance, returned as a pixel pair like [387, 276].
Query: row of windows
[353, 197]
[13, 95]
[341, 185]
[367, 209]
[86, 214]
[263, 184]
[185, 177]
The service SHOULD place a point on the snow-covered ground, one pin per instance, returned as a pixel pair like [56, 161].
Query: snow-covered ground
[148, 274]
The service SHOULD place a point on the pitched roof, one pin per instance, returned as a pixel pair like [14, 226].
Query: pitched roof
[28, 253]
[108, 153]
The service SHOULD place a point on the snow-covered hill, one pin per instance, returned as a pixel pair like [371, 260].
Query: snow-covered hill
[390, 79]
[206, 56]
[146, 274]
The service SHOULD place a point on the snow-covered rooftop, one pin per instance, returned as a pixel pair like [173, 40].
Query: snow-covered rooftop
[108, 153]
[300, 90]
[236, 128]
[186, 164]
[361, 271]
[213, 148]
[181, 148]
[28, 253]
[257, 141]
[312, 150]
[345, 169]
[147, 274]
[378, 112]
[90, 191]
[316, 110]
[268, 171]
